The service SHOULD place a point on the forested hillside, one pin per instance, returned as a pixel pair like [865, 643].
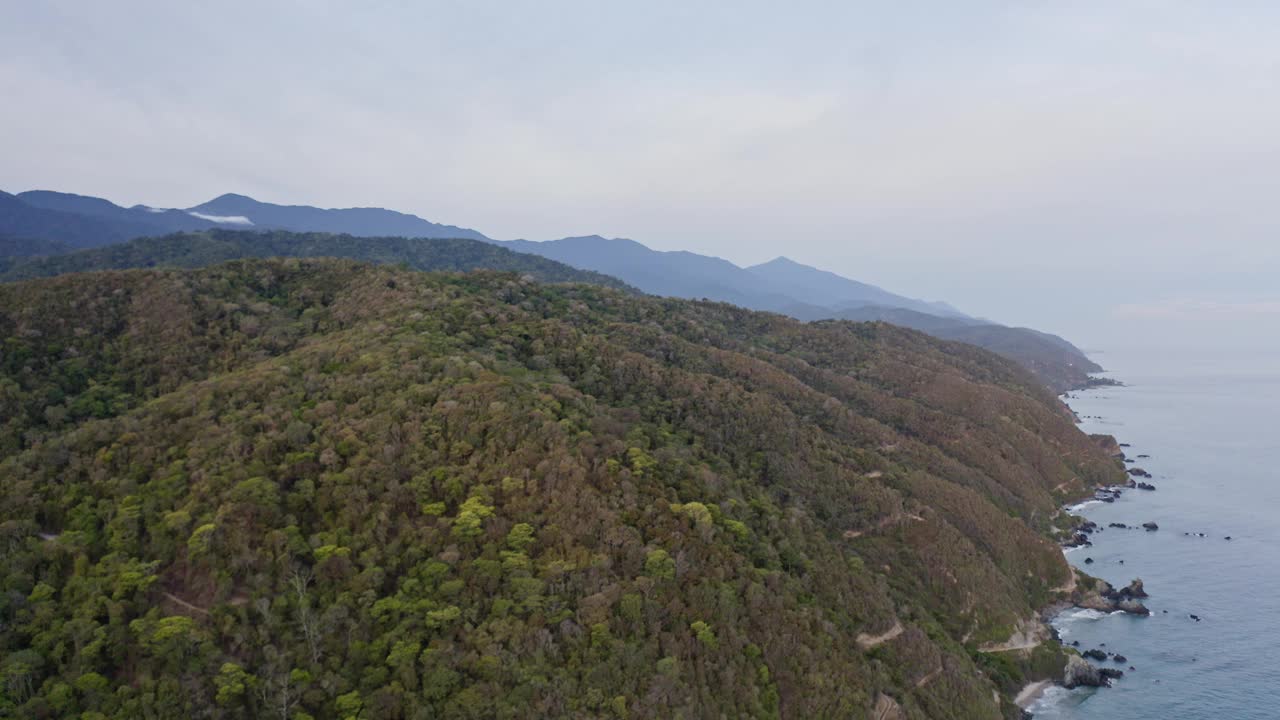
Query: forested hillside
[1057, 363]
[323, 489]
[214, 246]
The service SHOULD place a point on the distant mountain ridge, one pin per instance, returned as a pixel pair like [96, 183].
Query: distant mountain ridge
[813, 286]
[808, 293]
[670, 273]
[42, 222]
[34, 224]
[81, 221]
[780, 285]
[212, 247]
[361, 222]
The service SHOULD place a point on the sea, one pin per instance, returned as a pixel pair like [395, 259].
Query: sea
[1209, 421]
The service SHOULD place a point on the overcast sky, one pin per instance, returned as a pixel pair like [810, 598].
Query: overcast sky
[1105, 170]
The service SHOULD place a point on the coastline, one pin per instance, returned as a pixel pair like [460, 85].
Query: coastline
[1085, 592]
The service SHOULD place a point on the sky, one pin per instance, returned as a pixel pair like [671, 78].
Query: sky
[1105, 170]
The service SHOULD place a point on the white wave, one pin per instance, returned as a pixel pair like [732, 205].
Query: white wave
[222, 219]
[1063, 622]
[1080, 506]
[1056, 696]
[1084, 614]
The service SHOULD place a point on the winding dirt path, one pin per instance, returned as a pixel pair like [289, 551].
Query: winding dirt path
[928, 678]
[866, 642]
[183, 603]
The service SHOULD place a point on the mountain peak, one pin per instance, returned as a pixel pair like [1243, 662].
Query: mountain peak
[233, 197]
[781, 261]
[227, 203]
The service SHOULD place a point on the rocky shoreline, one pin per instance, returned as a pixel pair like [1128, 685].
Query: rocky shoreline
[1090, 593]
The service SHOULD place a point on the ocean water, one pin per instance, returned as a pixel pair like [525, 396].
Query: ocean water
[1211, 423]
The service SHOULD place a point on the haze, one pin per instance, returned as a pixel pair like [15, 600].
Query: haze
[1104, 170]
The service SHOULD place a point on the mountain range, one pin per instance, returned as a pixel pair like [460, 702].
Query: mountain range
[320, 488]
[210, 247]
[44, 223]
[80, 221]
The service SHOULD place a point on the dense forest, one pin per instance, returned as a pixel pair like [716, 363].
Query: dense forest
[302, 488]
[209, 247]
[1058, 364]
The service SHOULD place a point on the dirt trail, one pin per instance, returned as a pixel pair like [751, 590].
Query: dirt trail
[179, 601]
[866, 642]
[928, 678]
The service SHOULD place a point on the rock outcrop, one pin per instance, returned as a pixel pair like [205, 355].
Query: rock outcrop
[1081, 673]
[1105, 598]
[1134, 590]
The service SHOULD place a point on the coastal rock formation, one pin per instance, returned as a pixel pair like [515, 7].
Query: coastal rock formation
[1133, 607]
[1139, 472]
[1134, 590]
[1104, 598]
[1150, 526]
[1078, 536]
[1079, 672]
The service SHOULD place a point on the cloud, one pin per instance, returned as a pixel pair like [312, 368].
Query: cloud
[223, 219]
[1188, 308]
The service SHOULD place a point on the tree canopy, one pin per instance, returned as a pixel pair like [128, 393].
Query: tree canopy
[324, 489]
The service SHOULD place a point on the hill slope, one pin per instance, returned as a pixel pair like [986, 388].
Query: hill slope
[316, 486]
[215, 246]
[1056, 362]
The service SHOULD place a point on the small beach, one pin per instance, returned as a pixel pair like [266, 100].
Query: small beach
[1031, 693]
